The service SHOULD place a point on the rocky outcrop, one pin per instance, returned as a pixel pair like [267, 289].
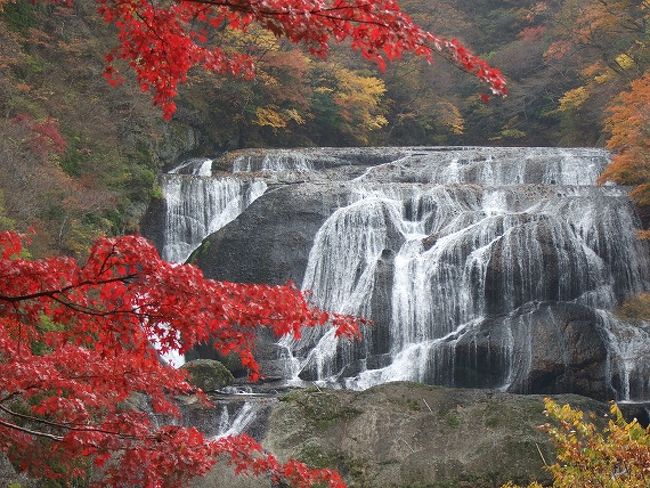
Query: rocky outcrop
[152, 225]
[546, 347]
[411, 435]
[208, 374]
[271, 240]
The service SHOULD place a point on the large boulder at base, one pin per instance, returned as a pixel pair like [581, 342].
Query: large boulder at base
[208, 374]
[401, 435]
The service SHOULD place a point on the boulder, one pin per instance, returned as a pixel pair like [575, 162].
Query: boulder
[410, 435]
[543, 348]
[208, 374]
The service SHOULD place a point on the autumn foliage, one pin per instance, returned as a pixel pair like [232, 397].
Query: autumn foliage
[629, 124]
[75, 345]
[162, 42]
[616, 456]
[45, 138]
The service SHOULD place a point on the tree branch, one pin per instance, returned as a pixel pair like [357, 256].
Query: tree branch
[36, 433]
[60, 291]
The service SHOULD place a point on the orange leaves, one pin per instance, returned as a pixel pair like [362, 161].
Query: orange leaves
[629, 125]
[75, 344]
[161, 43]
[558, 50]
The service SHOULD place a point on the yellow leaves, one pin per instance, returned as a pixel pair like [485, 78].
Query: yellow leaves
[267, 116]
[598, 72]
[512, 485]
[294, 115]
[574, 99]
[276, 118]
[252, 39]
[359, 90]
[591, 456]
[451, 117]
[604, 78]
[267, 79]
[625, 61]
[359, 99]
[511, 134]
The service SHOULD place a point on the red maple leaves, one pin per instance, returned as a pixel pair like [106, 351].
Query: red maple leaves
[161, 42]
[46, 136]
[75, 346]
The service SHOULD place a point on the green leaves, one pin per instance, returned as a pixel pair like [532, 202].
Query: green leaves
[161, 43]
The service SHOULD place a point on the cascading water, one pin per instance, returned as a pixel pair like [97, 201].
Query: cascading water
[280, 160]
[464, 236]
[198, 205]
[480, 267]
[235, 424]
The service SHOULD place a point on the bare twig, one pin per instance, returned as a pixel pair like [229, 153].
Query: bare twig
[427, 404]
[540, 454]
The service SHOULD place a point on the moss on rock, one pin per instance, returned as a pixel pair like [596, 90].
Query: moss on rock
[208, 374]
[409, 435]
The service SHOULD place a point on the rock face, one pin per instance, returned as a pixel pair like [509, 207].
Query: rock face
[246, 254]
[411, 435]
[480, 267]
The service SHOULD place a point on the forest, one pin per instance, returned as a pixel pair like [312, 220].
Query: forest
[90, 153]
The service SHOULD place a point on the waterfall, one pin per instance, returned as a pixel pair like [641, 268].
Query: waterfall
[627, 342]
[198, 204]
[275, 160]
[465, 237]
[236, 423]
[478, 266]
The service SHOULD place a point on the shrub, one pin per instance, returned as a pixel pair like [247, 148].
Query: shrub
[616, 456]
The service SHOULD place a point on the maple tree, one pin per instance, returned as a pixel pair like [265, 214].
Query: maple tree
[75, 345]
[162, 41]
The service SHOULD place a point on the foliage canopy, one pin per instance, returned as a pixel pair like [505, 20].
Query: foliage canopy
[616, 456]
[75, 346]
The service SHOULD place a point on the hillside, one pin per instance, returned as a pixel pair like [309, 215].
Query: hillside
[79, 158]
